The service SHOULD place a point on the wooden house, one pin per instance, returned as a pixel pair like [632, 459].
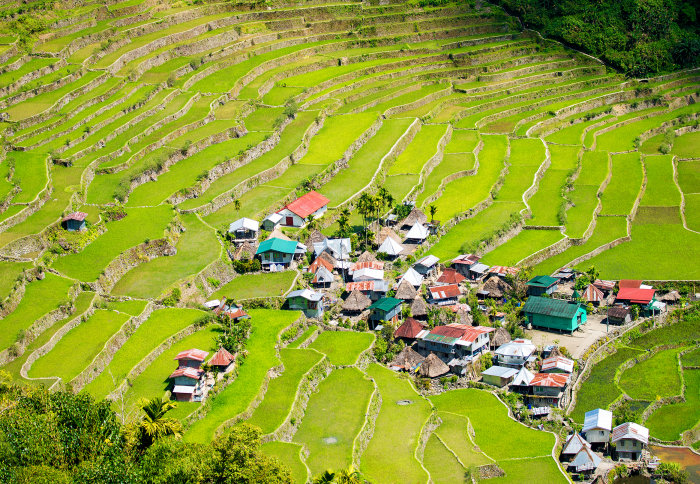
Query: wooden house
[619, 315]
[416, 235]
[244, 229]
[407, 359]
[540, 285]
[298, 212]
[74, 222]
[630, 439]
[597, 426]
[450, 276]
[498, 376]
[356, 302]
[433, 367]
[503, 271]
[456, 343]
[554, 314]
[271, 222]
[464, 263]
[516, 353]
[593, 295]
[386, 309]
[406, 291]
[276, 252]
[419, 309]
[426, 266]
[308, 301]
[221, 360]
[446, 295]
[494, 288]
[548, 389]
[409, 330]
[414, 217]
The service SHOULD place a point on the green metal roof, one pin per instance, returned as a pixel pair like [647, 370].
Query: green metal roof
[278, 245]
[386, 304]
[542, 281]
[438, 338]
[551, 307]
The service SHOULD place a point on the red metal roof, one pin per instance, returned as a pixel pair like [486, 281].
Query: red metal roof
[467, 259]
[504, 270]
[450, 276]
[637, 296]
[462, 332]
[550, 380]
[360, 286]
[307, 204]
[444, 292]
[592, 294]
[559, 362]
[630, 283]
[78, 216]
[409, 329]
[193, 354]
[320, 261]
[221, 358]
[186, 371]
[372, 264]
[604, 285]
[235, 313]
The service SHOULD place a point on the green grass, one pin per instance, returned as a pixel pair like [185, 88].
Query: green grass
[279, 397]
[689, 176]
[419, 151]
[580, 214]
[692, 211]
[546, 202]
[390, 455]
[9, 272]
[400, 185]
[304, 336]
[687, 146]
[134, 307]
[526, 243]
[571, 135]
[687, 329]
[441, 463]
[655, 377]
[157, 328]
[235, 398]
[594, 168]
[661, 191]
[120, 236]
[30, 173]
[342, 347]
[622, 191]
[289, 454]
[74, 352]
[364, 163]
[336, 411]
[454, 433]
[463, 140]
[248, 286]
[40, 297]
[691, 358]
[517, 471]
[448, 166]
[196, 248]
[670, 421]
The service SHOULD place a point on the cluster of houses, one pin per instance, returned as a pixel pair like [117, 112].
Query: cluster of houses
[582, 451]
[190, 382]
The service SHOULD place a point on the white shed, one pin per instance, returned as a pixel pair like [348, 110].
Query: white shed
[597, 426]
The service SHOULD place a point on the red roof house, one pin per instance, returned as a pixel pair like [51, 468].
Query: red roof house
[74, 222]
[450, 276]
[296, 213]
[444, 295]
[635, 296]
[221, 358]
[593, 295]
[320, 262]
[409, 329]
[191, 358]
[187, 372]
[558, 380]
[371, 264]
[77, 216]
[630, 283]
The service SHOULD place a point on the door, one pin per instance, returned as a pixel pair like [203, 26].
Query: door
[289, 221]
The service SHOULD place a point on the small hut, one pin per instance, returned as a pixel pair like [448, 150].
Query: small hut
[74, 222]
[413, 218]
[407, 359]
[387, 232]
[366, 256]
[406, 291]
[496, 287]
[464, 317]
[419, 309]
[671, 297]
[433, 367]
[593, 295]
[409, 330]
[356, 302]
[221, 360]
[499, 337]
[314, 237]
[245, 251]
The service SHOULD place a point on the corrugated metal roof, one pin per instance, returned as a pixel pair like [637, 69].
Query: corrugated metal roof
[193, 354]
[186, 371]
[444, 292]
[307, 204]
[307, 294]
[598, 419]
[638, 296]
[542, 281]
[574, 444]
[550, 380]
[277, 245]
[593, 294]
[551, 307]
[450, 276]
[500, 371]
[630, 430]
[467, 259]
[558, 362]
[386, 304]
[77, 216]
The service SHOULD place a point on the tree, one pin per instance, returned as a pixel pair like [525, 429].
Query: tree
[326, 478]
[348, 476]
[433, 210]
[237, 205]
[154, 425]
[344, 223]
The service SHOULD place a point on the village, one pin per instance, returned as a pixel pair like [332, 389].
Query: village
[455, 324]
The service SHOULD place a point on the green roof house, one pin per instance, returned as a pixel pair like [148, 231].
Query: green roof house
[555, 314]
[384, 309]
[276, 254]
[539, 285]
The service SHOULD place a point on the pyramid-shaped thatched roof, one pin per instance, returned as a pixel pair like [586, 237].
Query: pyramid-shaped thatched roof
[407, 359]
[406, 291]
[277, 234]
[673, 296]
[366, 256]
[356, 301]
[419, 308]
[328, 258]
[463, 317]
[414, 217]
[409, 329]
[387, 232]
[496, 287]
[314, 236]
[244, 248]
[433, 366]
[500, 337]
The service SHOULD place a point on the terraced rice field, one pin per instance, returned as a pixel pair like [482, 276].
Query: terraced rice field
[195, 115]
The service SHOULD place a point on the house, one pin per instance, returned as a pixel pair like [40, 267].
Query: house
[191, 358]
[187, 378]
[464, 263]
[235, 312]
[407, 359]
[405, 291]
[221, 360]
[516, 353]
[630, 439]
[539, 285]
[427, 265]
[557, 364]
[574, 443]
[390, 248]
[456, 343]
[630, 284]
[366, 256]
[593, 295]
[521, 381]
[409, 330]
[503, 271]
[356, 302]
[214, 304]
[419, 309]
[498, 376]
[548, 389]
[444, 295]
[450, 276]
[276, 252]
[414, 217]
[585, 461]
[413, 277]
[271, 222]
[384, 310]
[433, 367]
[494, 288]
[308, 301]
[606, 286]
[368, 274]
[373, 289]
[340, 249]
[478, 271]
[554, 313]
[74, 222]
[597, 426]
[416, 235]
[499, 337]
[244, 229]
[321, 262]
[298, 212]
[565, 275]
[323, 277]
[314, 237]
[629, 295]
[619, 315]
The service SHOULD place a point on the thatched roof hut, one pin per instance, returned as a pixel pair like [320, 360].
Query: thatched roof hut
[464, 317]
[413, 218]
[419, 309]
[328, 258]
[555, 352]
[244, 251]
[356, 302]
[496, 287]
[366, 256]
[499, 337]
[406, 291]
[277, 234]
[314, 236]
[673, 296]
[407, 359]
[387, 232]
[433, 366]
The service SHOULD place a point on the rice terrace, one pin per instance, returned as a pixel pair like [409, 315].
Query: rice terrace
[387, 241]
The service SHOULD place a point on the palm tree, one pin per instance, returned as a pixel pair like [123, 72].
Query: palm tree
[344, 222]
[433, 209]
[348, 476]
[154, 424]
[325, 478]
[237, 205]
[364, 207]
